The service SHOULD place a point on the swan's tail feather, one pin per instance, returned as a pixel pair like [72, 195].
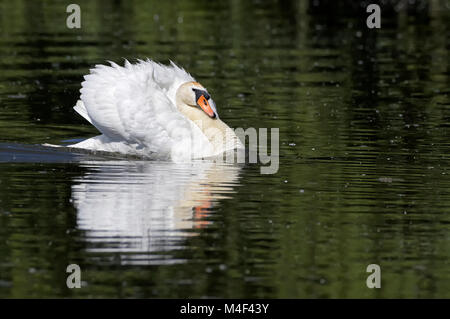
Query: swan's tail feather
[81, 109]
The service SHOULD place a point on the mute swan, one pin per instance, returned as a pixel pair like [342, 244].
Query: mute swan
[152, 110]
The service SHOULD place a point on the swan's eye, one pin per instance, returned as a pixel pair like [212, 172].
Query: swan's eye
[199, 93]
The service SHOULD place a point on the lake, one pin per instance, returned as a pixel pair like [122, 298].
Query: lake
[364, 142]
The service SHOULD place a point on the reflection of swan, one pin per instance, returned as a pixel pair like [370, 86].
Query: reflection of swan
[152, 110]
[147, 206]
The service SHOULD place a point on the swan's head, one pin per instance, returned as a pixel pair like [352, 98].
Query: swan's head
[195, 95]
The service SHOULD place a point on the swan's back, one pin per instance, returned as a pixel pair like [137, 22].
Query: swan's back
[135, 105]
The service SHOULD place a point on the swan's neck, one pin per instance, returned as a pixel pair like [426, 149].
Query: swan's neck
[218, 133]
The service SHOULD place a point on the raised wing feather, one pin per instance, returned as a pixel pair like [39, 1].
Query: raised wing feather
[136, 104]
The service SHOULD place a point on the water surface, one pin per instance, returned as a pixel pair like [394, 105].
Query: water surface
[364, 153]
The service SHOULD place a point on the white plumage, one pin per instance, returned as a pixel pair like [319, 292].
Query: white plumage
[135, 108]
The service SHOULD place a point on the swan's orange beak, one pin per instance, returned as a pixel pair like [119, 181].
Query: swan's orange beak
[206, 107]
[206, 103]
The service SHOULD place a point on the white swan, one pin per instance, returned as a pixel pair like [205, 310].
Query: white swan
[152, 110]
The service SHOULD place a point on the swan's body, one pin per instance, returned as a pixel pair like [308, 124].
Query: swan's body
[152, 110]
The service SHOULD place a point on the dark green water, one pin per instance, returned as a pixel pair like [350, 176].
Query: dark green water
[364, 153]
